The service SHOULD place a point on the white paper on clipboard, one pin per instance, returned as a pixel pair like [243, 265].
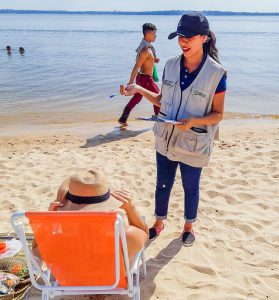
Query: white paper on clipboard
[159, 119]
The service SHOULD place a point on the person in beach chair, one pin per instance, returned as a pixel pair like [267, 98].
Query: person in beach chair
[83, 240]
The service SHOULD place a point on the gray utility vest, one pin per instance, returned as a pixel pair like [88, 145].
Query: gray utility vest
[189, 147]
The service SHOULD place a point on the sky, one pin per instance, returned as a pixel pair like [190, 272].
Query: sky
[143, 5]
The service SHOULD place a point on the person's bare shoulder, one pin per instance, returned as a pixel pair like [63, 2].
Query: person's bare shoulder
[145, 51]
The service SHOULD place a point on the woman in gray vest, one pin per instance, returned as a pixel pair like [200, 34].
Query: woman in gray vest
[193, 93]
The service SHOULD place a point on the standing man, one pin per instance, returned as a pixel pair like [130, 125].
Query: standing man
[143, 70]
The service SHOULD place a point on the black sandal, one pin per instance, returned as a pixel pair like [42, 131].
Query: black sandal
[188, 238]
[154, 232]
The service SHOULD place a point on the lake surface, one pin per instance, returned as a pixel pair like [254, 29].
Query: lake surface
[73, 62]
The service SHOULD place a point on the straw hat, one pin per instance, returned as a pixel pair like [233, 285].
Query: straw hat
[87, 190]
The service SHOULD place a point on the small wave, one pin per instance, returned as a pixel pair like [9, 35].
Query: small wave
[265, 33]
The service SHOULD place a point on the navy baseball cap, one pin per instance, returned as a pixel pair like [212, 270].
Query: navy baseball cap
[191, 23]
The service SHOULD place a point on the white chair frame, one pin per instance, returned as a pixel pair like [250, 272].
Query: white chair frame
[51, 289]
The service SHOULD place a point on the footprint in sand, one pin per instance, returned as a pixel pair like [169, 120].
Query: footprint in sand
[231, 199]
[174, 205]
[29, 165]
[263, 206]
[143, 203]
[220, 186]
[35, 172]
[273, 282]
[275, 157]
[246, 196]
[253, 269]
[245, 172]
[247, 229]
[240, 182]
[202, 269]
[213, 194]
[42, 190]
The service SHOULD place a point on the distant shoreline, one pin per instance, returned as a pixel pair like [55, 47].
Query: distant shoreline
[163, 12]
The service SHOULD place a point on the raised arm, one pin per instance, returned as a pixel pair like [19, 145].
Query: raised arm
[132, 89]
[137, 231]
[130, 209]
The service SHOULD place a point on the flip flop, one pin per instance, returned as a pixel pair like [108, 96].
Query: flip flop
[154, 232]
[123, 124]
[188, 238]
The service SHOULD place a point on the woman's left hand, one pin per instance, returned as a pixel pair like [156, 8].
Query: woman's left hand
[125, 198]
[187, 124]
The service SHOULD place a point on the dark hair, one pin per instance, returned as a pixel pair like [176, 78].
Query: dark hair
[148, 27]
[210, 46]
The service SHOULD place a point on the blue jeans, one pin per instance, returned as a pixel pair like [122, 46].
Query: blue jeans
[166, 170]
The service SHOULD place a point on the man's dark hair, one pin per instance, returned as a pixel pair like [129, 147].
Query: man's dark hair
[148, 27]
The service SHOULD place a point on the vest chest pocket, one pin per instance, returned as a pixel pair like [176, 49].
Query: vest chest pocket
[198, 102]
[193, 143]
[168, 94]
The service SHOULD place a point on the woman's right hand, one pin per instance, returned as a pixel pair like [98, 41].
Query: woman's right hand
[129, 90]
[53, 206]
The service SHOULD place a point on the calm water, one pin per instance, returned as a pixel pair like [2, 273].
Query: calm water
[73, 62]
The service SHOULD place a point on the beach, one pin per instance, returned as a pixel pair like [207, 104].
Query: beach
[57, 117]
[236, 253]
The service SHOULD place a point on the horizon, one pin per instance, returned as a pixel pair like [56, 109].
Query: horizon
[143, 5]
[133, 11]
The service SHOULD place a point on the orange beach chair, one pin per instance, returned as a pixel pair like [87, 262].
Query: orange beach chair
[84, 252]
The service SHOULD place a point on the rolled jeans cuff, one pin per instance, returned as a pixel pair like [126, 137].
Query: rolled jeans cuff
[190, 221]
[160, 217]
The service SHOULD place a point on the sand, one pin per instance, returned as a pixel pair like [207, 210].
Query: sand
[236, 254]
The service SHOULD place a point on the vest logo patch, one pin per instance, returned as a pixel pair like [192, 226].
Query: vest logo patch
[168, 82]
[198, 93]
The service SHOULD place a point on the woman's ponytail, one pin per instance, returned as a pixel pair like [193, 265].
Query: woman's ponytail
[210, 46]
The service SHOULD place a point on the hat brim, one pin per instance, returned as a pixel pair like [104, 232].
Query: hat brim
[184, 34]
[107, 205]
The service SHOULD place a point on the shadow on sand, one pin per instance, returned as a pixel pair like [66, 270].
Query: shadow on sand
[155, 264]
[115, 135]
